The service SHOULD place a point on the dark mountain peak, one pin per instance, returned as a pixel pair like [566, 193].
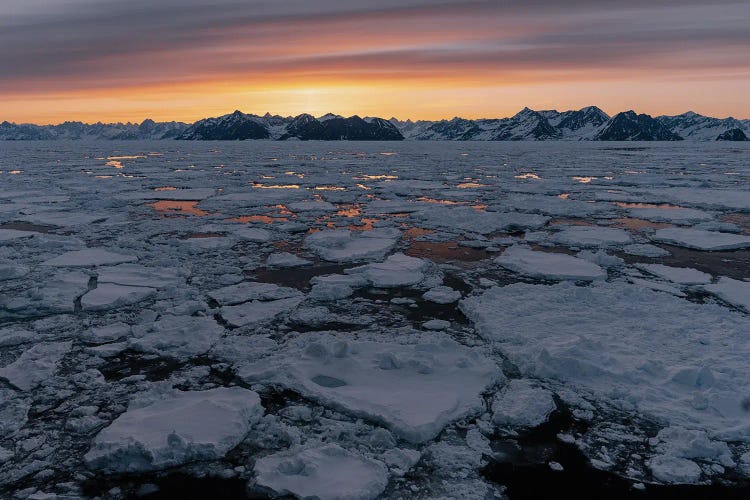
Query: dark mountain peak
[629, 126]
[735, 134]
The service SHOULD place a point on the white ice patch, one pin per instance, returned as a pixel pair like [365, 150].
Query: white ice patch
[398, 270]
[548, 265]
[137, 275]
[701, 240]
[184, 427]
[108, 296]
[415, 389]
[250, 313]
[673, 360]
[285, 260]
[35, 365]
[442, 295]
[522, 404]
[342, 245]
[89, 257]
[177, 336]
[326, 472]
[251, 290]
[591, 237]
[732, 291]
[680, 275]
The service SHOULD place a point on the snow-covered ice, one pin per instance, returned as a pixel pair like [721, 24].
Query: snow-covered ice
[183, 427]
[548, 265]
[325, 471]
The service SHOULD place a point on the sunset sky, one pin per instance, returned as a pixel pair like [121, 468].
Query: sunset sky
[114, 60]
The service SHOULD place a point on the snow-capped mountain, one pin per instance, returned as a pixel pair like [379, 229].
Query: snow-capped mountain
[691, 125]
[148, 129]
[629, 126]
[589, 124]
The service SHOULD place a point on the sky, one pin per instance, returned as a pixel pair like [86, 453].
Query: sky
[114, 60]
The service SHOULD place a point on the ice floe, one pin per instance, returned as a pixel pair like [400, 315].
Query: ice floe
[182, 427]
[415, 387]
[701, 240]
[548, 265]
[89, 257]
[343, 245]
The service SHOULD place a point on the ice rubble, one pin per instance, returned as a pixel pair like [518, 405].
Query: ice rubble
[343, 245]
[324, 471]
[701, 240]
[547, 265]
[182, 427]
[673, 360]
[415, 385]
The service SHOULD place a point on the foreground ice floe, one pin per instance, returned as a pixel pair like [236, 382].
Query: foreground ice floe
[327, 472]
[342, 245]
[678, 362]
[182, 427]
[415, 385]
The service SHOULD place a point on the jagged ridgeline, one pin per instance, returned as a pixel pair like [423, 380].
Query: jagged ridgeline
[590, 123]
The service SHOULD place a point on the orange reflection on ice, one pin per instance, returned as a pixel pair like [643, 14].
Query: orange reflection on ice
[528, 175]
[266, 219]
[441, 202]
[166, 188]
[584, 180]
[329, 188]
[638, 224]
[645, 205]
[564, 196]
[275, 186]
[349, 211]
[415, 232]
[470, 185]
[174, 207]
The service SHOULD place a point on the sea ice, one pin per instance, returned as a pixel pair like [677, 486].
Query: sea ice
[442, 295]
[701, 240]
[183, 427]
[89, 257]
[13, 234]
[137, 275]
[398, 270]
[35, 365]
[342, 245]
[522, 404]
[108, 296]
[251, 290]
[548, 265]
[732, 291]
[285, 259]
[253, 312]
[673, 360]
[176, 336]
[680, 275]
[415, 387]
[325, 471]
[591, 237]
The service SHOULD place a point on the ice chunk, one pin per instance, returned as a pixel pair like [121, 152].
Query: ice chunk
[311, 206]
[522, 404]
[250, 290]
[442, 295]
[645, 250]
[675, 215]
[591, 237]
[56, 295]
[254, 234]
[547, 265]
[35, 365]
[436, 324]
[257, 312]
[326, 472]
[732, 291]
[183, 427]
[398, 270]
[342, 245]
[674, 470]
[701, 240]
[89, 257]
[108, 296]
[285, 259]
[681, 275]
[177, 336]
[414, 389]
[137, 275]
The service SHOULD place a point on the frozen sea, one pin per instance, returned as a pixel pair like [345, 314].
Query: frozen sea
[343, 320]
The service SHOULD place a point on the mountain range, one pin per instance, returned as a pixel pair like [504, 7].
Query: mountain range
[589, 123]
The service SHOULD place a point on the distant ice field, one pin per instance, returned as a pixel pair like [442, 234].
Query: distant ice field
[373, 320]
